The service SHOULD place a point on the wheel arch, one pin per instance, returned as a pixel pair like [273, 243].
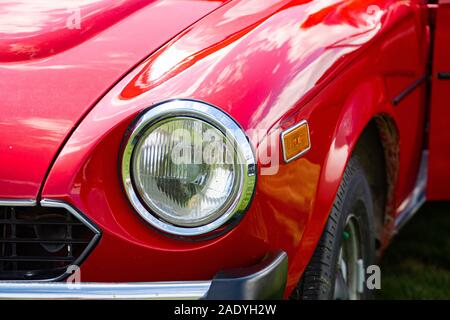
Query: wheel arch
[365, 127]
[378, 153]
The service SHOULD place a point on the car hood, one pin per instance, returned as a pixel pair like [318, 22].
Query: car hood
[57, 59]
[32, 29]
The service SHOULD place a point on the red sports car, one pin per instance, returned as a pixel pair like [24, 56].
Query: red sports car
[241, 149]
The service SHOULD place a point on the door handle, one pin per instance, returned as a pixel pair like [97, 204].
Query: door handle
[443, 75]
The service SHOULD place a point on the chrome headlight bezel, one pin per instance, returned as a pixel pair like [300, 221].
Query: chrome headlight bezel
[218, 119]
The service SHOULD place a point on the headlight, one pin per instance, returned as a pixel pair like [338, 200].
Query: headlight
[188, 168]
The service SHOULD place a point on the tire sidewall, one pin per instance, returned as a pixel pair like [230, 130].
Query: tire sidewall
[356, 199]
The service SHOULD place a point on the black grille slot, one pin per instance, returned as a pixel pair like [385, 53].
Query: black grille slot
[39, 243]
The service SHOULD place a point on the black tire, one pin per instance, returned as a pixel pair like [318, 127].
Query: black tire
[353, 201]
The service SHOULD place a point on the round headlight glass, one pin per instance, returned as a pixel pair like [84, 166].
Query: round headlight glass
[188, 168]
[186, 171]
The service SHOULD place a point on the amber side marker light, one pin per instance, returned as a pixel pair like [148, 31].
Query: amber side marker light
[296, 141]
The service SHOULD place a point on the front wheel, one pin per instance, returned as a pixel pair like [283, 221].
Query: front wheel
[347, 245]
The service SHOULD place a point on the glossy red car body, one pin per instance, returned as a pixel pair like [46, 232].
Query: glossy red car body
[68, 96]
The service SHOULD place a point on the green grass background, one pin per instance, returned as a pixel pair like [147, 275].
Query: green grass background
[417, 263]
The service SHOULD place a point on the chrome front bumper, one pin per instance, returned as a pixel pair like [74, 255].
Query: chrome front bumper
[266, 280]
[61, 290]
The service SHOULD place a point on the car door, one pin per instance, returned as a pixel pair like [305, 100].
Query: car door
[439, 137]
